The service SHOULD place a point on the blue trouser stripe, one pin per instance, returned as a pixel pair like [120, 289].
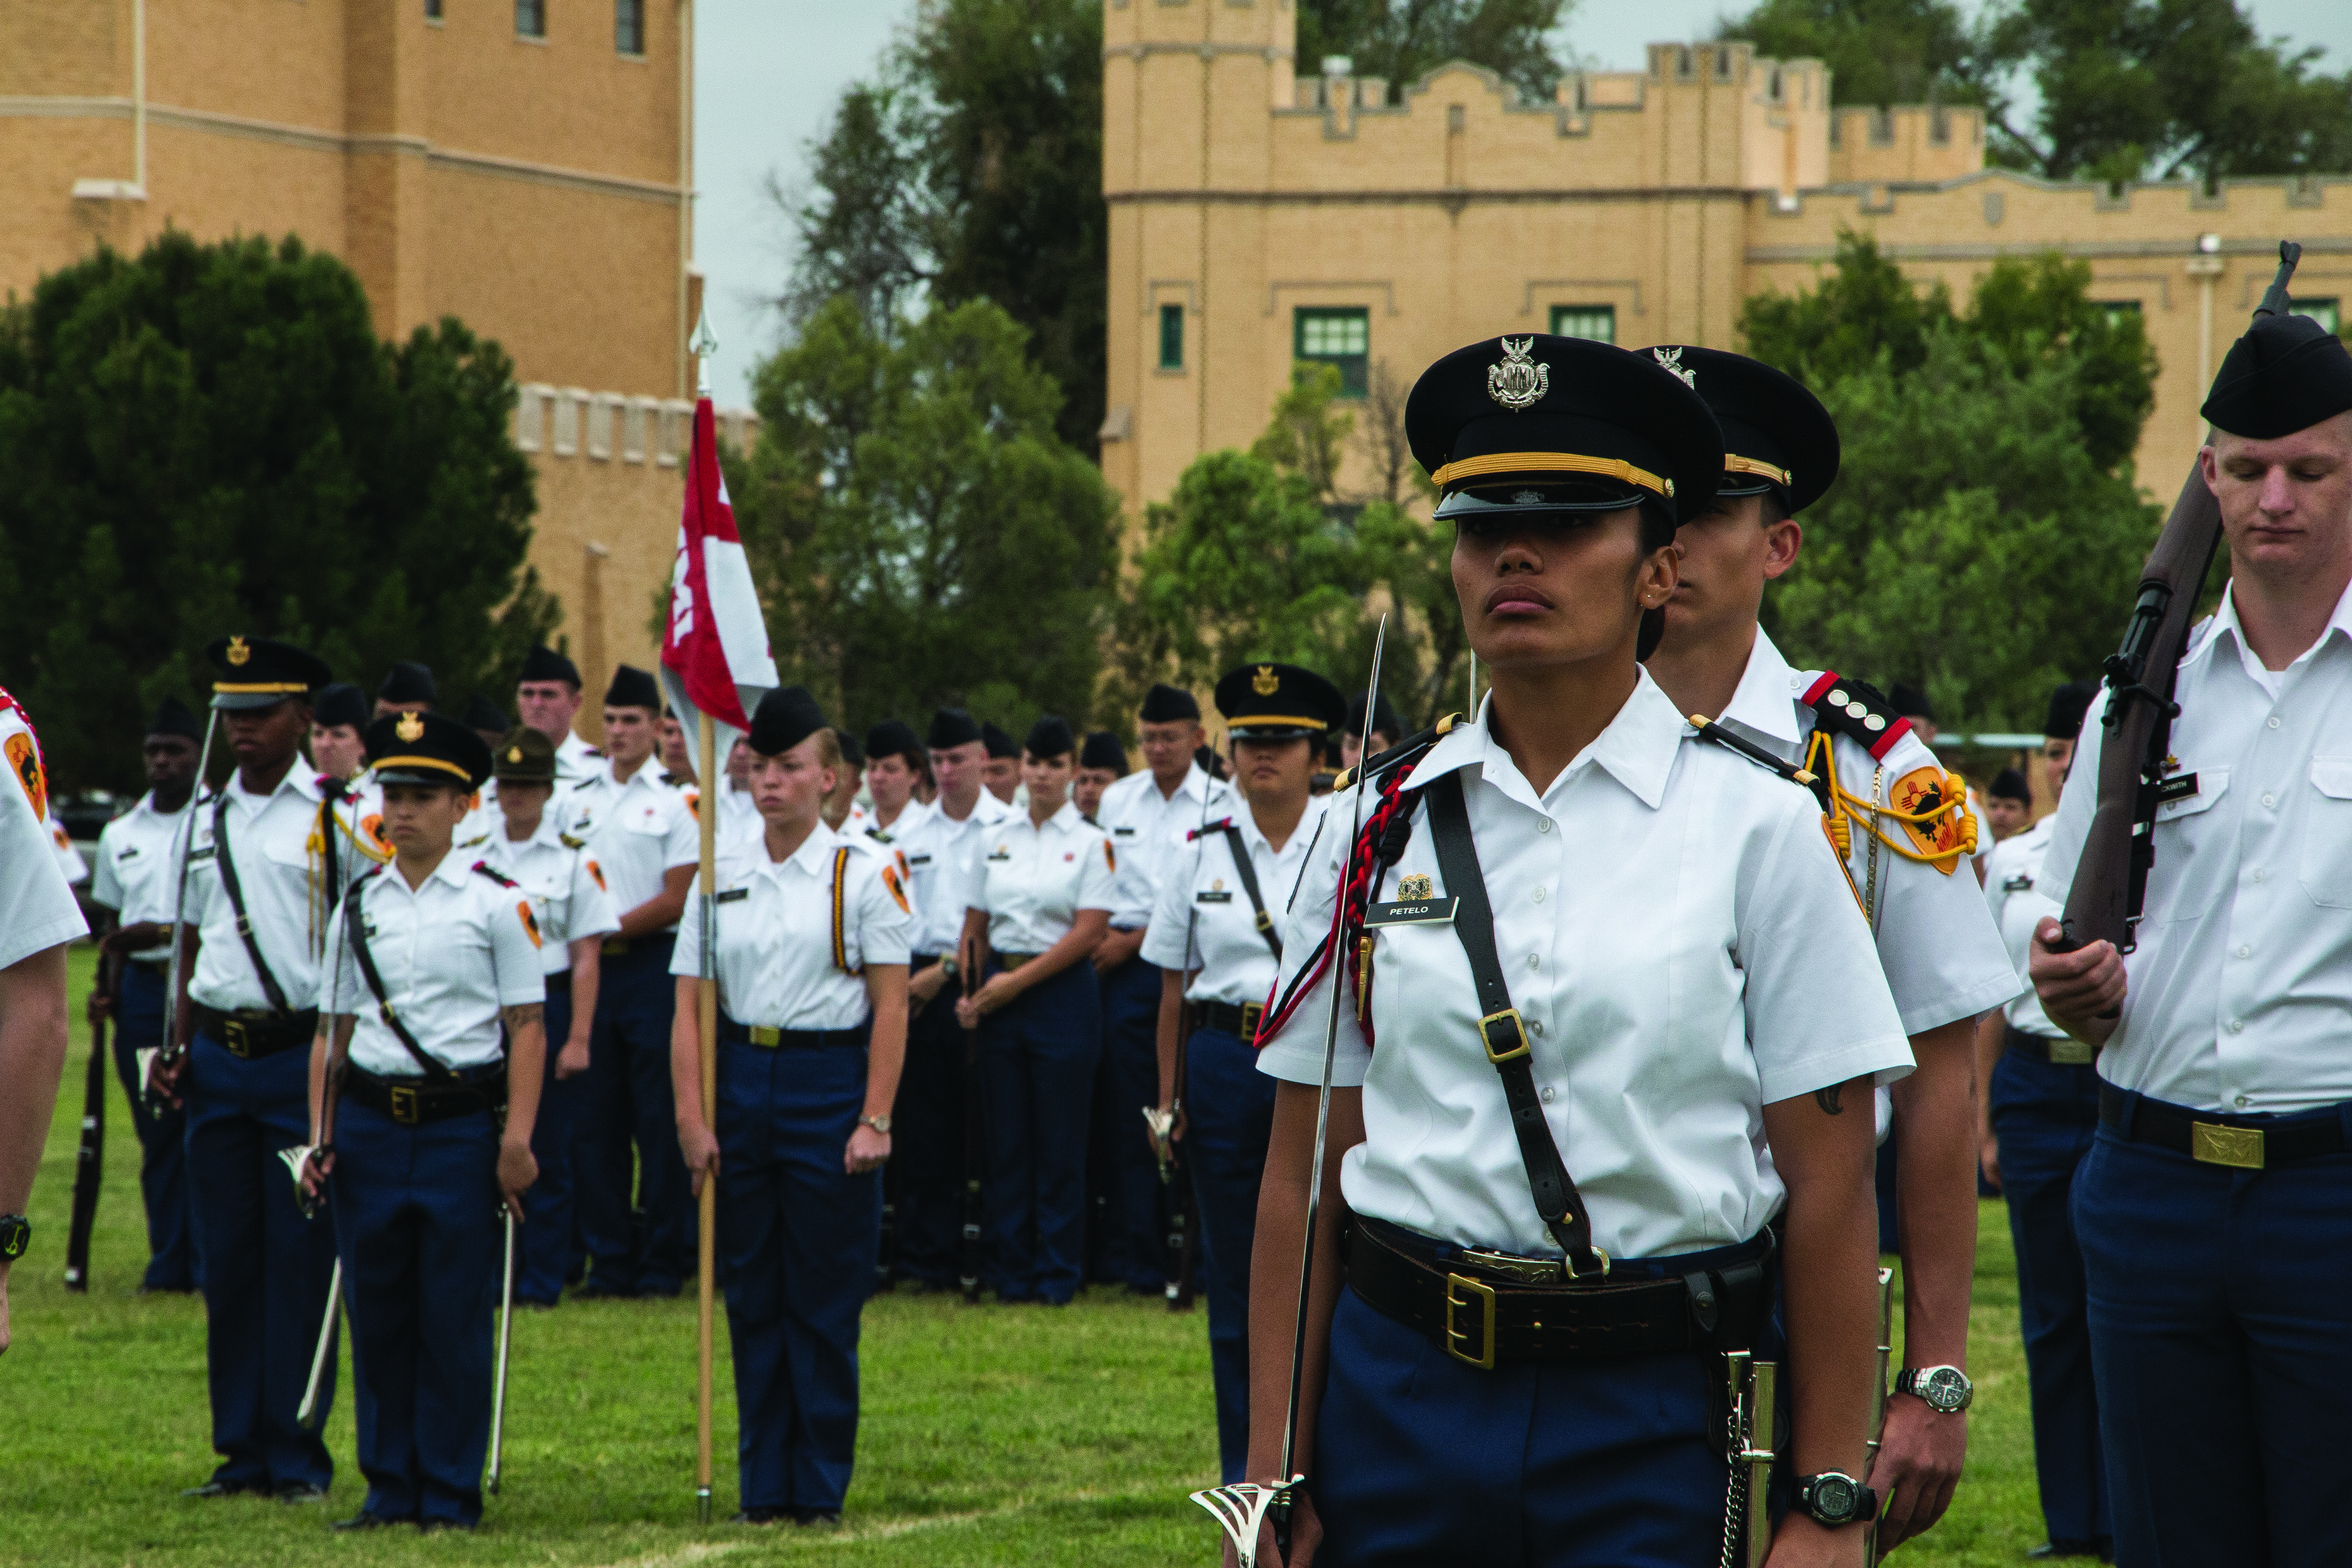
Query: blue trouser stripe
[1037, 1072]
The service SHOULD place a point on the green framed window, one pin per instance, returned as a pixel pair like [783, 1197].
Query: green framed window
[2323, 311]
[1598, 322]
[1340, 337]
[629, 27]
[531, 18]
[1171, 337]
[2116, 309]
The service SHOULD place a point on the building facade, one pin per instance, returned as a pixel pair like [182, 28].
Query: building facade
[1262, 214]
[523, 165]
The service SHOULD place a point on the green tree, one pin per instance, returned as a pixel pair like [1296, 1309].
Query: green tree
[1862, 308]
[210, 438]
[918, 532]
[1878, 51]
[1402, 40]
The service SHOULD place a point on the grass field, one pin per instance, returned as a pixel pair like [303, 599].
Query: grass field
[990, 1436]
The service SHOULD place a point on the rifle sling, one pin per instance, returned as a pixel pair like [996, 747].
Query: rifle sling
[1503, 1035]
[1249, 884]
[356, 930]
[235, 891]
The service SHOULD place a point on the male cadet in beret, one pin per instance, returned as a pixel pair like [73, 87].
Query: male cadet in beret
[2041, 1113]
[417, 1127]
[548, 697]
[261, 887]
[137, 885]
[407, 688]
[1900, 819]
[1102, 762]
[941, 850]
[2215, 1208]
[1601, 948]
[1002, 771]
[1147, 815]
[1387, 730]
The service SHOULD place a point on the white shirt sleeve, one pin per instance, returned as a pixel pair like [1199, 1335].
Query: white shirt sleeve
[37, 908]
[1098, 877]
[886, 920]
[589, 910]
[105, 887]
[682, 844]
[514, 950]
[685, 955]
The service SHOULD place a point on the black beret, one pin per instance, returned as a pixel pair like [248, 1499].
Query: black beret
[260, 672]
[1776, 434]
[952, 727]
[1165, 704]
[853, 750]
[2287, 373]
[1050, 737]
[1384, 718]
[999, 743]
[546, 664]
[1548, 424]
[409, 681]
[895, 738]
[785, 717]
[173, 718]
[1910, 701]
[2068, 704]
[2009, 785]
[341, 704]
[1277, 702]
[427, 749]
[1103, 750]
[481, 713]
[522, 754]
[633, 687]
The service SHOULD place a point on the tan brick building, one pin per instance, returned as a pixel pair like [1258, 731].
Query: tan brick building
[1260, 214]
[526, 166]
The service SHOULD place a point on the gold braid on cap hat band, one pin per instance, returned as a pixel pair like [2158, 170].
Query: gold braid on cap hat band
[1250, 720]
[284, 686]
[383, 762]
[1552, 462]
[1733, 464]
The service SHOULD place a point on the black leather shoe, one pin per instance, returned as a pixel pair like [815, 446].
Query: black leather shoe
[220, 1489]
[763, 1516]
[592, 1291]
[299, 1491]
[814, 1516]
[366, 1520]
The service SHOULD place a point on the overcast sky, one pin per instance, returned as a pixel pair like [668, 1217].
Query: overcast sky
[769, 72]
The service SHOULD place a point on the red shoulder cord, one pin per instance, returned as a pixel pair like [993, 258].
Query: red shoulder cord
[1348, 919]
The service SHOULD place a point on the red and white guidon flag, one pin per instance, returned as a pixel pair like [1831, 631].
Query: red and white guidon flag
[716, 658]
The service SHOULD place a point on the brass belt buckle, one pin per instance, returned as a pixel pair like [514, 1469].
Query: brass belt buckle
[233, 1036]
[2213, 1144]
[1519, 1271]
[1517, 1035]
[1482, 1296]
[2069, 1053]
[763, 1035]
[1251, 1013]
[615, 946]
[403, 1105]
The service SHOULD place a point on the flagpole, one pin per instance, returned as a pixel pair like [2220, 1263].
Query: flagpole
[706, 1026]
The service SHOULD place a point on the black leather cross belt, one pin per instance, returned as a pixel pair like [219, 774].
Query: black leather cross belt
[1484, 1308]
[2248, 1143]
[1238, 1019]
[416, 1102]
[257, 1032]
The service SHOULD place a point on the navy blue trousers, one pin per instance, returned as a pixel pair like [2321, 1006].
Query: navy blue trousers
[1134, 1246]
[2221, 1309]
[543, 1248]
[416, 1221]
[266, 1267]
[796, 1240]
[1037, 1060]
[627, 1100]
[1229, 1111]
[2044, 1116]
[926, 1146]
[173, 1263]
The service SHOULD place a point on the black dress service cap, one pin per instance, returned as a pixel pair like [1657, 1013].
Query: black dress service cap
[409, 681]
[1547, 424]
[1050, 737]
[1384, 718]
[2068, 704]
[427, 749]
[522, 755]
[1910, 702]
[853, 750]
[952, 727]
[2009, 785]
[481, 713]
[1776, 435]
[999, 743]
[895, 738]
[342, 704]
[1278, 702]
[785, 717]
[633, 687]
[259, 672]
[1165, 704]
[2287, 373]
[1103, 750]
[173, 718]
[546, 664]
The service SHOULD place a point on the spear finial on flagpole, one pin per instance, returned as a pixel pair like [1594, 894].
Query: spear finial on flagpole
[702, 345]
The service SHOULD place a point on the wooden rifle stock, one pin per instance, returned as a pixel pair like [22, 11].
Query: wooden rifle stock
[89, 1159]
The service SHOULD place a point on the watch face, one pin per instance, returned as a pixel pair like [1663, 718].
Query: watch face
[1945, 1389]
[1832, 1497]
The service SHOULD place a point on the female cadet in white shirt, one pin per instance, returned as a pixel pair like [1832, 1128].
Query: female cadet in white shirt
[1037, 902]
[1642, 945]
[812, 929]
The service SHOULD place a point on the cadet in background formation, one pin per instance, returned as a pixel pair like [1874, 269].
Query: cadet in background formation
[2008, 807]
[407, 688]
[1002, 771]
[676, 752]
[895, 766]
[548, 697]
[137, 882]
[1102, 762]
[811, 964]
[486, 719]
[2042, 1111]
[841, 807]
[573, 913]
[1387, 730]
[1901, 823]
[2215, 1209]
[436, 955]
[1215, 939]
[1036, 908]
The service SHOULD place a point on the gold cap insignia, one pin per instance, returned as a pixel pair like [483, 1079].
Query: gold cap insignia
[1517, 381]
[410, 727]
[1413, 889]
[238, 652]
[1266, 683]
[514, 754]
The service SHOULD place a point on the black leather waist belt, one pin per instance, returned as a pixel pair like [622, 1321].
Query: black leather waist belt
[2065, 1051]
[1239, 1020]
[1488, 1308]
[257, 1032]
[416, 1102]
[1014, 960]
[622, 947]
[921, 962]
[2248, 1143]
[731, 1032]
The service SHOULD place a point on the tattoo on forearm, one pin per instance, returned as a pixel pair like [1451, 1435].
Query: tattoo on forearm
[515, 1017]
[1828, 1099]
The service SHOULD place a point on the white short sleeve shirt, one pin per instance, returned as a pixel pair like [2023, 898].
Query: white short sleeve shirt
[137, 855]
[2013, 892]
[560, 877]
[1032, 881]
[941, 855]
[783, 958]
[279, 856]
[1201, 897]
[637, 831]
[451, 952]
[1147, 829]
[37, 909]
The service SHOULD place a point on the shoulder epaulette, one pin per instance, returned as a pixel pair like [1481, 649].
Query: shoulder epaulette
[482, 868]
[1408, 750]
[1208, 827]
[1856, 710]
[570, 843]
[476, 838]
[878, 836]
[1741, 745]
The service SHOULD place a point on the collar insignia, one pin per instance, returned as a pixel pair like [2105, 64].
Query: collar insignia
[238, 652]
[1415, 889]
[1672, 359]
[1516, 382]
[1266, 683]
[410, 727]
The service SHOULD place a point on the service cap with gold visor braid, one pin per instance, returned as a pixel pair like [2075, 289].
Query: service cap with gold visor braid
[427, 748]
[1777, 436]
[261, 672]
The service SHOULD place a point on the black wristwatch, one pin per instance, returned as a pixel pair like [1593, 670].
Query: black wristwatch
[1945, 1390]
[1834, 1498]
[15, 1234]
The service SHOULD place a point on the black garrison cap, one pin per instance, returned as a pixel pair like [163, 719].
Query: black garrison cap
[1910, 702]
[785, 717]
[2068, 704]
[853, 750]
[1050, 737]
[1000, 744]
[173, 718]
[1277, 702]
[633, 687]
[2287, 373]
[523, 755]
[1548, 424]
[427, 749]
[895, 738]
[1165, 704]
[259, 672]
[2009, 785]
[1384, 718]
[342, 704]
[409, 681]
[952, 727]
[481, 713]
[546, 664]
[1103, 750]
[1776, 435]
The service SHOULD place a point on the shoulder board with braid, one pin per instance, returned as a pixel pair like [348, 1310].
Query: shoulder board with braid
[572, 843]
[1856, 710]
[1741, 745]
[482, 868]
[1408, 750]
[1208, 827]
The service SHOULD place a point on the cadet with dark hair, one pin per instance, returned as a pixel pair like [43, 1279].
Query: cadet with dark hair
[1002, 771]
[1102, 762]
[895, 766]
[407, 687]
[2009, 804]
[547, 695]
[841, 807]
[1387, 729]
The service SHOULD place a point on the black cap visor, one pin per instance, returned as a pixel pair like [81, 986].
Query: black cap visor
[242, 698]
[1506, 500]
[1277, 727]
[405, 771]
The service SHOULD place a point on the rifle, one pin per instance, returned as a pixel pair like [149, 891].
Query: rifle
[89, 1161]
[2111, 878]
[975, 1138]
[1176, 1177]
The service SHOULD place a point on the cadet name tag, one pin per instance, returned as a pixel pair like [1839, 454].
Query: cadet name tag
[731, 895]
[1205, 897]
[196, 855]
[1424, 911]
[2179, 787]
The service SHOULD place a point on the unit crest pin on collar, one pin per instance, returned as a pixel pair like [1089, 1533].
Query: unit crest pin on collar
[1517, 381]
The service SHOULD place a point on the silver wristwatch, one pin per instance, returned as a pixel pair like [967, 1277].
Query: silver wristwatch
[1946, 1389]
[879, 1123]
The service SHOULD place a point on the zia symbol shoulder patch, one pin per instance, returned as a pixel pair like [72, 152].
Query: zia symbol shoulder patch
[1926, 792]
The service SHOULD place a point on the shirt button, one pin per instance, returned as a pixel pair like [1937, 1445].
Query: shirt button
[2237, 1026]
[2246, 951]
[2241, 1099]
[2258, 873]
[1546, 1096]
[1535, 1028]
[2269, 800]
[2274, 725]
[1539, 894]
[1544, 826]
[1535, 961]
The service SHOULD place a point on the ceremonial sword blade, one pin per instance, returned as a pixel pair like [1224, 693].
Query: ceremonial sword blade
[307, 1416]
[506, 1345]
